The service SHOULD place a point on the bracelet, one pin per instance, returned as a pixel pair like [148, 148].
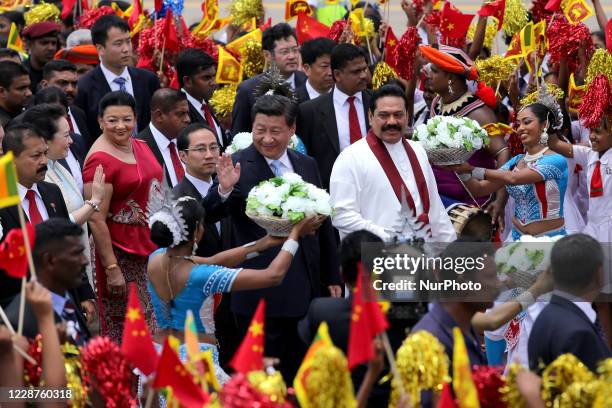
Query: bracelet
[290, 246]
[111, 266]
[464, 176]
[478, 173]
[501, 150]
[93, 205]
[526, 299]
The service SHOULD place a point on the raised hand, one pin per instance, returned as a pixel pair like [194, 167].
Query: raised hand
[227, 174]
[97, 187]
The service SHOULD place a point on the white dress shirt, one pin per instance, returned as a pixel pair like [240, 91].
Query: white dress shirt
[110, 77]
[286, 166]
[364, 199]
[202, 186]
[291, 81]
[198, 106]
[25, 204]
[586, 307]
[75, 170]
[75, 127]
[163, 144]
[312, 93]
[341, 108]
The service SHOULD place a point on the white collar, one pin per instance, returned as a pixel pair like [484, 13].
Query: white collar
[312, 93]
[606, 158]
[291, 80]
[201, 185]
[197, 104]
[340, 97]
[162, 141]
[23, 191]
[284, 159]
[582, 304]
[59, 302]
[110, 76]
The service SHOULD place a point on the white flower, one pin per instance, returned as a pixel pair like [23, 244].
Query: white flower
[240, 141]
[292, 178]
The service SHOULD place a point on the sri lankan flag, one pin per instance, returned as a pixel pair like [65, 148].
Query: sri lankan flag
[229, 69]
[463, 384]
[321, 339]
[9, 195]
[14, 40]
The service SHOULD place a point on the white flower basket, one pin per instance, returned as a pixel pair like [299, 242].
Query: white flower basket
[447, 156]
[276, 226]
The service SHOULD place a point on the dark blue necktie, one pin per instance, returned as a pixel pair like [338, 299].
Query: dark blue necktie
[121, 82]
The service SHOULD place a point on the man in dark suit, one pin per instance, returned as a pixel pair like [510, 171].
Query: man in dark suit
[316, 63]
[316, 262]
[169, 115]
[39, 200]
[111, 35]
[333, 121]
[59, 260]
[15, 90]
[280, 47]
[569, 324]
[196, 71]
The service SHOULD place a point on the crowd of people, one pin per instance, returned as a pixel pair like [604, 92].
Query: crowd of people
[120, 122]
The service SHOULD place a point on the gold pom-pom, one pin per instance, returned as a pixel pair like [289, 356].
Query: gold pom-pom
[42, 12]
[72, 364]
[252, 58]
[551, 88]
[605, 370]
[329, 382]
[243, 11]
[271, 385]
[222, 100]
[383, 73]
[601, 63]
[515, 17]
[368, 30]
[510, 392]
[422, 364]
[578, 395]
[490, 33]
[495, 69]
[562, 373]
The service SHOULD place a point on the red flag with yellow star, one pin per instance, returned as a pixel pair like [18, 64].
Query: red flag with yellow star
[137, 345]
[172, 373]
[454, 23]
[367, 321]
[496, 9]
[249, 356]
[308, 28]
[13, 257]
[390, 48]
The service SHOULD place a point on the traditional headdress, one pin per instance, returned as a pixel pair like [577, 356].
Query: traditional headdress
[451, 59]
[81, 54]
[273, 83]
[163, 208]
[550, 101]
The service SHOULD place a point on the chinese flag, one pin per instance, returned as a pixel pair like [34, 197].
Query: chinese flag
[136, 12]
[249, 356]
[609, 35]
[171, 41]
[137, 345]
[229, 70]
[496, 9]
[307, 28]
[295, 7]
[553, 5]
[446, 399]
[172, 373]
[454, 24]
[68, 5]
[463, 383]
[576, 11]
[391, 48]
[267, 25]
[158, 5]
[13, 258]
[367, 320]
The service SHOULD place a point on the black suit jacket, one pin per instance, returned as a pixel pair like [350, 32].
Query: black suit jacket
[81, 121]
[147, 136]
[316, 126]
[93, 86]
[196, 117]
[302, 93]
[245, 98]
[315, 263]
[211, 243]
[30, 326]
[336, 312]
[561, 328]
[9, 218]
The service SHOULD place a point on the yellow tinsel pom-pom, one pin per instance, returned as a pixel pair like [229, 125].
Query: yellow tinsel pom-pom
[243, 11]
[368, 29]
[562, 373]
[601, 63]
[551, 88]
[578, 395]
[329, 382]
[271, 385]
[490, 33]
[510, 392]
[515, 17]
[605, 370]
[42, 12]
[72, 364]
[422, 364]
[222, 100]
[494, 69]
[383, 73]
[252, 58]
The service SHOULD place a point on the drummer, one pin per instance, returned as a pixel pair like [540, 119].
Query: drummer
[384, 183]
[448, 76]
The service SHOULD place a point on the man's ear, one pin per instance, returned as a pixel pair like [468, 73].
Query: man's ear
[183, 156]
[268, 56]
[3, 92]
[43, 83]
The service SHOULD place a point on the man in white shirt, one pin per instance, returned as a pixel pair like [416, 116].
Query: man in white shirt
[169, 115]
[316, 56]
[374, 176]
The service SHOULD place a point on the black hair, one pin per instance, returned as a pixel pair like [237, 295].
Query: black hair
[192, 61]
[57, 66]
[275, 105]
[350, 252]
[14, 136]
[9, 53]
[575, 260]
[313, 49]
[277, 32]
[116, 98]
[9, 70]
[14, 16]
[396, 82]
[343, 54]
[50, 235]
[182, 140]
[544, 114]
[166, 99]
[192, 213]
[600, 35]
[44, 117]
[123, 5]
[100, 29]
[51, 94]
[387, 90]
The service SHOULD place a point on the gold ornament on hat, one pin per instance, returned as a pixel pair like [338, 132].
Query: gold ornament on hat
[42, 12]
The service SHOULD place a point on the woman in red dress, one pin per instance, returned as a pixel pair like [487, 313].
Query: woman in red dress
[119, 228]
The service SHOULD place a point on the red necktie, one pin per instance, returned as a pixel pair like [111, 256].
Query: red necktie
[35, 217]
[596, 189]
[176, 163]
[70, 123]
[354, 128]
[208, 116]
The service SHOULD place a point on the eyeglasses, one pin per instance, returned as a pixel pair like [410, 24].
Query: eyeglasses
[203, 149]
[286, 51]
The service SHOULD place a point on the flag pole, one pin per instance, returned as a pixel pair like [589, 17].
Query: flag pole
[150, 394]
[389, 352]
[26, 241]
[161, 61]
[367, 3]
